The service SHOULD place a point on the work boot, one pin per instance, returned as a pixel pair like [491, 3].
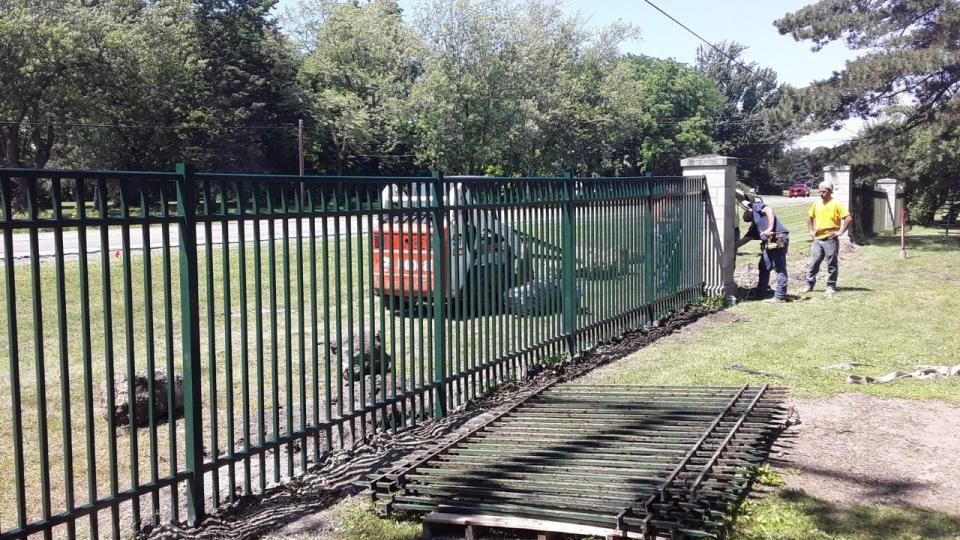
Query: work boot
[830, 292]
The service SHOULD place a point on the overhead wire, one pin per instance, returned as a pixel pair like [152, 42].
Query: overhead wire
[727, 55]
[664, 120]
[698, 36]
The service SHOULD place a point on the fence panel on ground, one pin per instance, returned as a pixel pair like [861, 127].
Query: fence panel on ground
[177, 340]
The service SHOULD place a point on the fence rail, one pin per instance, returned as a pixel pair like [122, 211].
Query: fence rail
[177, 340]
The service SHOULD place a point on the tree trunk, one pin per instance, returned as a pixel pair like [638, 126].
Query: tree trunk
[43, 145]
[12, 152]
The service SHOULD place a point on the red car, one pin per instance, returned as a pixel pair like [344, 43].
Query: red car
[798, 190]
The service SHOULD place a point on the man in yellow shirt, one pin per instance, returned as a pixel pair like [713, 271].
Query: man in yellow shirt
[827, 220]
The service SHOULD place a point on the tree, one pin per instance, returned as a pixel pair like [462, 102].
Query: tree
[751, 92]
[792, 166]
[50, 61]
[912, 56]
[514, 87]
[927, 156]
[55, 68]
[679, 106]
[359, 70]
[143, 120]
[250, 103]
[908, 80]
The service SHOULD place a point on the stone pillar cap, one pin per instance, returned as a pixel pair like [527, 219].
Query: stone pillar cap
[836, 168]
[708, 160]
[888, 181]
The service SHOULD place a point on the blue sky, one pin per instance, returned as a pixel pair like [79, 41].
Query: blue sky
[749, 22]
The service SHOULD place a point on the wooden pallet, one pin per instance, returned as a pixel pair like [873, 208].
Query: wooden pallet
[440, 525]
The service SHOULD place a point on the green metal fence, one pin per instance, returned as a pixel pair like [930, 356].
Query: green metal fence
[300, 314]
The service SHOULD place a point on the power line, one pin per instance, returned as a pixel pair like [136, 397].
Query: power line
[698, 36]
[665, 120]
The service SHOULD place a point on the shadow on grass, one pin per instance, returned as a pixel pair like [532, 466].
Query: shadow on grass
[793, 514]
[752, 294]
[927, 242]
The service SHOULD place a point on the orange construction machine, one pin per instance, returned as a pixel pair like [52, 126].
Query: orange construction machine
[476, 247]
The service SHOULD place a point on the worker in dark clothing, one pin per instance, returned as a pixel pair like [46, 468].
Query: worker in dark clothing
[774, 239]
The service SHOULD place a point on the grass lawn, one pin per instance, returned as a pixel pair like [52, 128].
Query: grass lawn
[285, 386]
[890, 312]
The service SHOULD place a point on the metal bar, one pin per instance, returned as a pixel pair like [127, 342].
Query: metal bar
[39, 358]
[733, 430]
[314, 322]
[244, 337]
[14, 361]
[190, 327]
[274, 338]
[569, 234]
[258, 330]
[302, 331]
[437, 263]
[287, 324]
[56, 193]
[211, 335]
[227, 341]
[87, 354]
[150, 355]
[130, 340]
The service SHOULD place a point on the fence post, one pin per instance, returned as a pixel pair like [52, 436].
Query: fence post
[649, 250]
[190, 326]
[568, 232]
[439, 295]
[719, 252]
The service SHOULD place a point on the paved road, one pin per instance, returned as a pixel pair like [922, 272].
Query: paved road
[780, 200]
[71, 240]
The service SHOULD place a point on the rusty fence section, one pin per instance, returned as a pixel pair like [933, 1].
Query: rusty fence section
[173, 341]
[593, 460]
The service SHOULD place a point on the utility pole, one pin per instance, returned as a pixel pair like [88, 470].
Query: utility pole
[303, 197]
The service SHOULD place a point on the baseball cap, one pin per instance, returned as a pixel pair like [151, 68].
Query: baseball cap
[826, 184]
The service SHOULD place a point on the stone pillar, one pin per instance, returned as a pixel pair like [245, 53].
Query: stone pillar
[842, 187]
[890, 214]
[719, 253]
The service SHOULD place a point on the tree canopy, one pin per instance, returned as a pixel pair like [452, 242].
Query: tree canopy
[911, 57]
[906, 82]
[745, 129]
[469, 86]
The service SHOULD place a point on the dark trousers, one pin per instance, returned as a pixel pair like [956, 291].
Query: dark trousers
[820, 250]
[779, 259]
